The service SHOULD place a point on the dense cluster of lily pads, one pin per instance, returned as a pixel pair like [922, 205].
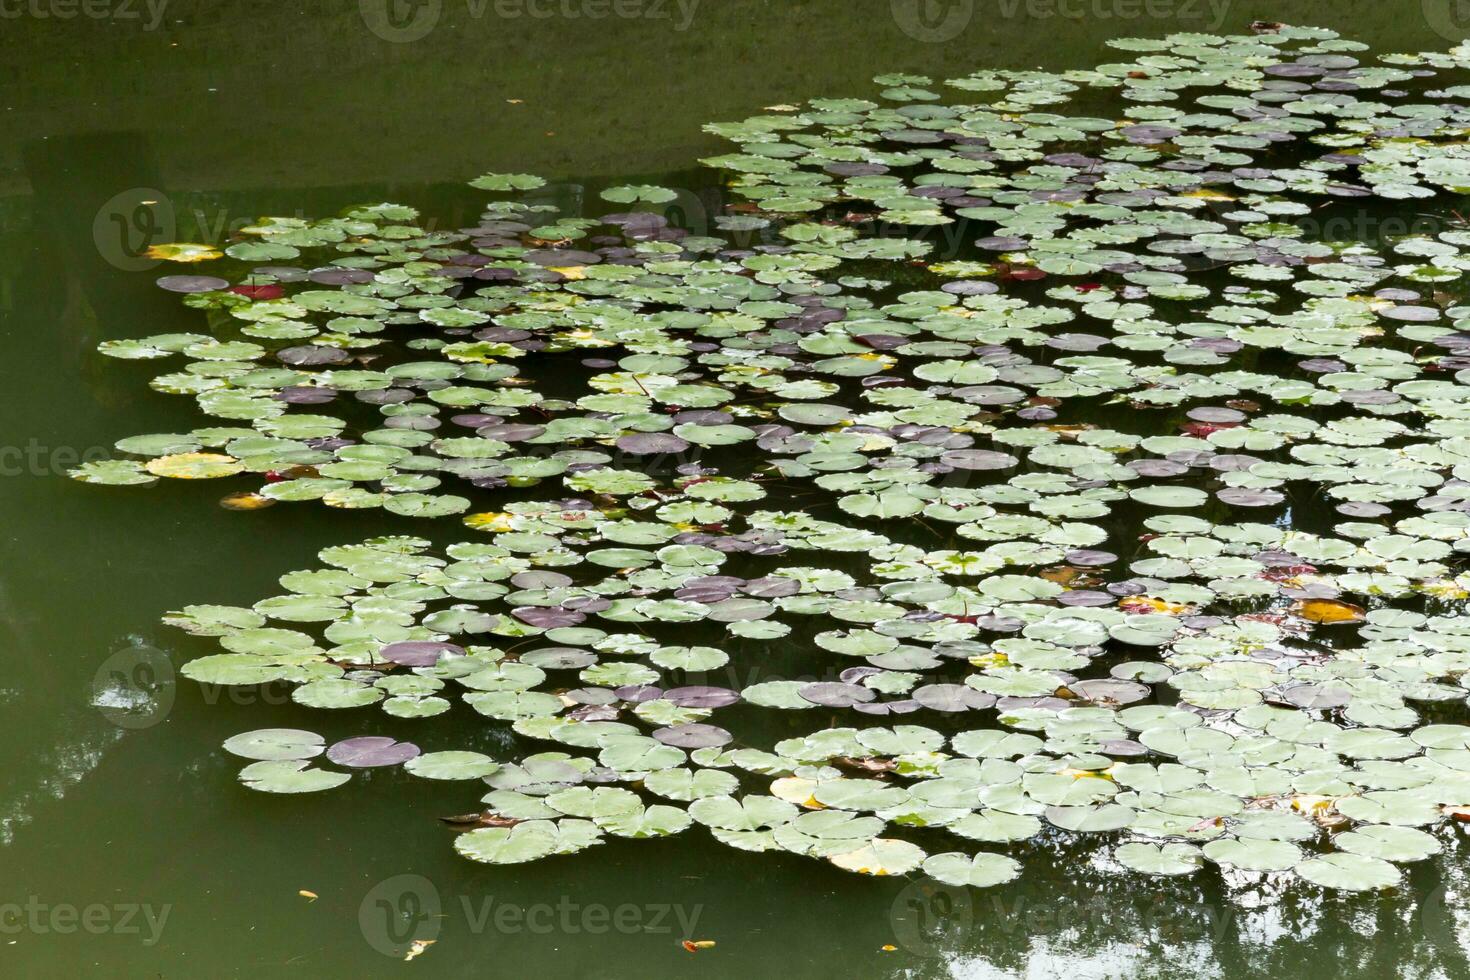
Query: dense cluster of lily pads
[1142, 513]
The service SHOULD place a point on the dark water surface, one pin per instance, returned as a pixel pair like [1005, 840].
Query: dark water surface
[133, 851]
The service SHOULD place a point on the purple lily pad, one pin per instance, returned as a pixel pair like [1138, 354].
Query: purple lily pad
[638, 693]
[418, 653]
[1412, 314]
[844, 168]
[370, 751]
[651, 443]
[1157, 468]
[693, 736]
[903, 707]
[1076, 341]
[701, 697]
[1393, 293]
[833, 694]
[1085, 597]
[771, 587]
[1090, 557]
[970, 287]
[193, 284]
[1243, 497]
[1002, 243]
[1355, 508]
[547, 617]
[561, 257]
[1232, 462]
[1215, 415]
[1371, 397]
[1124, 747]
[1147, 133]
[384, 396]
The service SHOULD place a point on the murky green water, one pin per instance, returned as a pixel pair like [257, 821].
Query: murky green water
[133, 851]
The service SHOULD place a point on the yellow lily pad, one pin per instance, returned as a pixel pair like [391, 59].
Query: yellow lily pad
[195, 466]
[183, 252]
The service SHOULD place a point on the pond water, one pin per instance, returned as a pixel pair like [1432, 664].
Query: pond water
[128, 845]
